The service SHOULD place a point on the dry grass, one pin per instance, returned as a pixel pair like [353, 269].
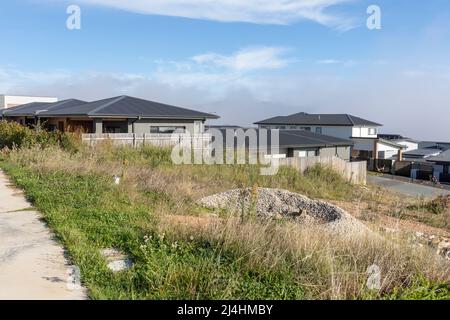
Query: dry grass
[325, 265]
[331, 266]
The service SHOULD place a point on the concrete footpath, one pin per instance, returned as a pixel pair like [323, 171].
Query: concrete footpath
[32, 263]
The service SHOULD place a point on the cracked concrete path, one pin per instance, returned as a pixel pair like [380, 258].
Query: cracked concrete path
[32, 263]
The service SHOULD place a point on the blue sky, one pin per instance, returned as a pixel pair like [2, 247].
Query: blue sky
[244, 60]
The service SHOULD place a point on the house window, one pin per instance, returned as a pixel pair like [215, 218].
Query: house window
[305, 128]
[167, 130]
[319, 130]
[293, 127]
[372, 131]
[113, 129]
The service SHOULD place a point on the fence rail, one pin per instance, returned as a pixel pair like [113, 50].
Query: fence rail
[354, 172]
[135, 139]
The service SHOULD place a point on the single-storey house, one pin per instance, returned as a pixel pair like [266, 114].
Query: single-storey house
[123, 114]
[363, 133]
[441, 167]
[298, 143]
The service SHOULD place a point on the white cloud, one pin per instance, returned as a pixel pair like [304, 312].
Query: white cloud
[345, 63]
[328, 61]
[246, 60]
[250, 11]
[218, 73]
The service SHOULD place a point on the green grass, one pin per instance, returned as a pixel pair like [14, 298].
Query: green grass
[88, 212]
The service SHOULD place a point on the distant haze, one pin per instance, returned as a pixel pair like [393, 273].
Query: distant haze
[242, 60]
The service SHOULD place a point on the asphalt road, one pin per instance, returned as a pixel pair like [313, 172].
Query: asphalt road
[410, 189]
[32, 263]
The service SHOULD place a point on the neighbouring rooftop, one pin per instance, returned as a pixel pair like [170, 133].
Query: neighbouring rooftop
[122, 106]
[422, 153]
[303, 118]
[442, 157]
[301, 139]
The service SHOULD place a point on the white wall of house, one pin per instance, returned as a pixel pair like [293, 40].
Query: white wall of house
[386, 151]
[408, 144]
[364, 132]
[12, 101]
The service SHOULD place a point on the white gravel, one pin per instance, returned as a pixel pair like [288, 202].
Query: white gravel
[278, 203]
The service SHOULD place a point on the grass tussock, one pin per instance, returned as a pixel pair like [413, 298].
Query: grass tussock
[436, 206]
[182, 252]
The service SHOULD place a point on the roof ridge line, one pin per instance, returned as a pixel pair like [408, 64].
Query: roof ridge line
[106, 105]
[55, 105]
[350, 119]
[59, 103]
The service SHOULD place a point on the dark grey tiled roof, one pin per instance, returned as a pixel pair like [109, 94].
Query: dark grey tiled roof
[125, 106]
[443, 157]
[301, 139]
[435, 145]
[424, 152]
[303, 118]
[38, 108]
[24, 109]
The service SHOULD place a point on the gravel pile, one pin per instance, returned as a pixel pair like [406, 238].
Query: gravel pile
[277, 204]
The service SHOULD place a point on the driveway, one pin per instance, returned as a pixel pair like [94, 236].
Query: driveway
[32, 263]
[410, 189]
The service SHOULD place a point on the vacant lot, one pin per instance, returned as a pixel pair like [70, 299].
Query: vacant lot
[182, 251]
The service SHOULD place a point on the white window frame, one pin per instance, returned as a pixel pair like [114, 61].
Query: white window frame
[372, 131]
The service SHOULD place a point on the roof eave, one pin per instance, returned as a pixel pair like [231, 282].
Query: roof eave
[153, 117]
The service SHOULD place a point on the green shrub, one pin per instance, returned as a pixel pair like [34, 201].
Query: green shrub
[13, 134]
[422, 288]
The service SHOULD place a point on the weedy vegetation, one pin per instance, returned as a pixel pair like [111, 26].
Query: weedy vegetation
[182, 251]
